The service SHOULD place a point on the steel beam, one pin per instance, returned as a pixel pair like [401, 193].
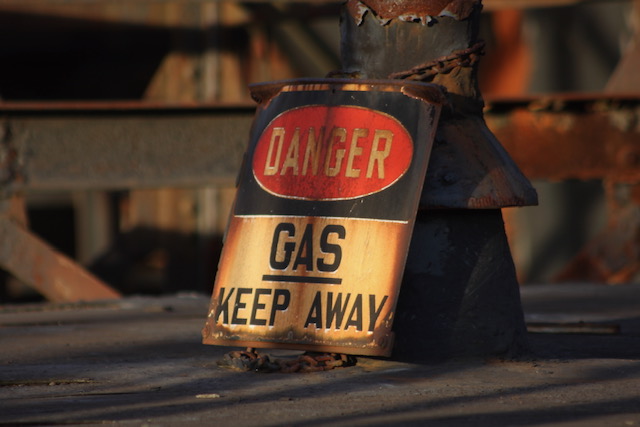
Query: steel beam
[564, 137]
[121, 145]
[48, 271]
[63, 146]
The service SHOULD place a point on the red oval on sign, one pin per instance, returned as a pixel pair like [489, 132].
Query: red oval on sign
[331, 153]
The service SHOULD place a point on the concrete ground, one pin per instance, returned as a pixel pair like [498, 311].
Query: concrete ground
[139, 362]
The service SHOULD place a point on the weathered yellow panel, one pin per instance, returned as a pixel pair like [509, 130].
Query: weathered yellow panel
[350, 306]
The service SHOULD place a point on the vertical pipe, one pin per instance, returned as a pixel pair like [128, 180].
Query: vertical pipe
[459, 296]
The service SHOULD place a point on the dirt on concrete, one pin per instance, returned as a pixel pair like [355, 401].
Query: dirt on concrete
[140, 362]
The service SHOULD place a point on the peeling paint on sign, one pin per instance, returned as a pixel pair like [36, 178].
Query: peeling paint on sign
[317, 240]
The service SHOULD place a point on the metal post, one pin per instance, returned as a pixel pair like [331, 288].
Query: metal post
[460, 296]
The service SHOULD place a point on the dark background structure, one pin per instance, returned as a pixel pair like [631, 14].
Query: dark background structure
[552, 60]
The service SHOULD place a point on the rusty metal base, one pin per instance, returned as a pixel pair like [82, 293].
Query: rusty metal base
[459, 296]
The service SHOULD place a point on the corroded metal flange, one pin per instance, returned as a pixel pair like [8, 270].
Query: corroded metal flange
[436, 41]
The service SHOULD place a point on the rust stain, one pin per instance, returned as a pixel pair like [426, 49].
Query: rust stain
[469, 169]
[264, 93]
[565, 139]
[433, 94]
[411, 11]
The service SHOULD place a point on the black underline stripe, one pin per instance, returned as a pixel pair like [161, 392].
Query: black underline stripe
[302, 279]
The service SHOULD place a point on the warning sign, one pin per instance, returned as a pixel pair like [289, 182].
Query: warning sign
[318, 237]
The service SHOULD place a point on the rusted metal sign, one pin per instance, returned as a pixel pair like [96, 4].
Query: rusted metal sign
[319, 233]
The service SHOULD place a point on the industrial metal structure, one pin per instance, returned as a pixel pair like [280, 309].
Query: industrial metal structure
[184, 67]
